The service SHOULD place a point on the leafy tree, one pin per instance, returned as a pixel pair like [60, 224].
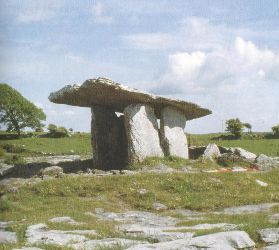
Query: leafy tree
[52, 128]
[55, 131]
[275, 130]
[16, 112]
[234, 126]
[248, 126]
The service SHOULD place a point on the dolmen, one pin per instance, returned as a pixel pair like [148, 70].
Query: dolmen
[124, 122]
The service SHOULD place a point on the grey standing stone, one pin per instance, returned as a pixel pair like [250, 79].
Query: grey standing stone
[173, 138]
[142, 133]
[108, 139]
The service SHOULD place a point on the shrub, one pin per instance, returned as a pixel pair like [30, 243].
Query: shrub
[275, 130]
[2, 152]
[234, 126]
[14, 160]
[11, 148]
[57, 132]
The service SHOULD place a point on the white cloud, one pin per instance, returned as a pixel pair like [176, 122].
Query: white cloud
[97, 12]
[36, 11]
[149, 40]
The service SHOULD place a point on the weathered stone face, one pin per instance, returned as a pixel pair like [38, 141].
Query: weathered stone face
[173, 138]
[108, 139]
[142, 133]
[104, 92]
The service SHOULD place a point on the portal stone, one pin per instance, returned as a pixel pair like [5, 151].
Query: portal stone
[142, 133]
[109, 141]
[173, 138]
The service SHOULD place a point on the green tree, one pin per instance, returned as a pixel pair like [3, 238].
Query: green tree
[234, 126]
[275, 130]
[52, 128]
[248, 126]
[16, 112]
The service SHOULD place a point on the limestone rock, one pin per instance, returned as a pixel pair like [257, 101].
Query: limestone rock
[274, 218]
[52, 171]
[109, 243]
[173, 138]
[224, 240]
[243, 153]
[39, 234]
[272, 247]
[211, 152]
[159, 206]
[7, 237]
[248, 209]
[262, 183]
[105, 92]
[142, 133]
[108, 139]
[5, 169]
[231, 159]
[269, 235]
[65, 219]
[266, 162]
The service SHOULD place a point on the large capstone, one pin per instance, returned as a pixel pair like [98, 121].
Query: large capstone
[142, 132]
[173, 138]
[109, 141]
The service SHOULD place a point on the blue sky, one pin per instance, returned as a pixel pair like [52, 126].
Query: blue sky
[223, 55]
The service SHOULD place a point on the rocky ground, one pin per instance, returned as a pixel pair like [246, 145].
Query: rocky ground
[145, 230]
[171, 229]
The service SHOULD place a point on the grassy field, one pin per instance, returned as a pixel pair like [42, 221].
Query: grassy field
[79, 143]
[74, 196]
[257, 146]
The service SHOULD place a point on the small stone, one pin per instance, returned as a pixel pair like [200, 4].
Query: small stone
[65, 219]
[272, 247]
[7, 237]
[274, 218]
[143, 191]
[269, 235]
[159, 206]
[54, 171]
[99, 210]
[239, 169]
[261, 183]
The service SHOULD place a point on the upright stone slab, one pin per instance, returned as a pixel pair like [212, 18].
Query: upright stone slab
[109, 141]
[173, 138]
[142, 132]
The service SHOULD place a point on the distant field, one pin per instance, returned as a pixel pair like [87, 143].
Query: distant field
[76, 144]
[79, 143]
[261, 146]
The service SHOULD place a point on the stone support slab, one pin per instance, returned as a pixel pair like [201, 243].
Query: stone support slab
[173, 138]
[142, 133]
[109, 141]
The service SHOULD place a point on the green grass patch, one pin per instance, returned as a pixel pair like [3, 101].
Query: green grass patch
[74, 196]
[78, 143]
[260, 146]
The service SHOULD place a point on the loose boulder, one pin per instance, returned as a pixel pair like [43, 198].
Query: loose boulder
[231, 160]
[243, 153]
[54, 171]
[142, 133]
[266, 163]
[211, 152]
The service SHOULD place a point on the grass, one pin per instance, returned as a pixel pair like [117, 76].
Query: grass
[175, 163]
[261, 146]
[79, 144]
[74, 196]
